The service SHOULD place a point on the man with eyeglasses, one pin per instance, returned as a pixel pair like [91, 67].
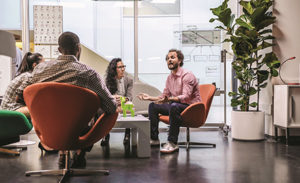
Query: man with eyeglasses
[181, 90]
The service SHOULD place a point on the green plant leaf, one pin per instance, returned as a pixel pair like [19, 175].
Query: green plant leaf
[241, 47]
[263, 72]
[253, 104]
[249, 36]
[241, 90]
[269, 58]
[275, 64]
[237, 68]
[239, 76]
[265, 23]
[247, 6]
[258, 15]
[226, 40]
[225, 17]
[212, 20]
[263, 75]
[220, 27]
[274, 73]
[234, 102]
[266, 45]
[223, 13]
[268, 37]
[260, 47]
[265, 31]
[242, 23]
[232, 94]
[263, 85]
[216, 11]
[252, 91]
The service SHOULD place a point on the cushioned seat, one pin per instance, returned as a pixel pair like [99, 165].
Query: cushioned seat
[195, 115]
[12, 125]
[60, 112]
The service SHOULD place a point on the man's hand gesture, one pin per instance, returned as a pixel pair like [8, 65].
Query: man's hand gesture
[143, 96]
[162, 100]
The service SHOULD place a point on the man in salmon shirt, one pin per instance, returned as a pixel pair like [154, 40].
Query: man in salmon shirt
[181, 90]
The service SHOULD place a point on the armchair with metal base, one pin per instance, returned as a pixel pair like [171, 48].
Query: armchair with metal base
[12, 125]
[194, 116]
[59, 113]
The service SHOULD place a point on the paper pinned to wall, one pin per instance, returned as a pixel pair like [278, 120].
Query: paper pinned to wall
[44, 50]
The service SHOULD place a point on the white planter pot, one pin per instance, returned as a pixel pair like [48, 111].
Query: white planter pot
[247, 125]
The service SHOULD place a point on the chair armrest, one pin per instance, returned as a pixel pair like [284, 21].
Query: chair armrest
[194, 115]
[101, 128]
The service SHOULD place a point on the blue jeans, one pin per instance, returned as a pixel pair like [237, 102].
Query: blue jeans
[172, 110]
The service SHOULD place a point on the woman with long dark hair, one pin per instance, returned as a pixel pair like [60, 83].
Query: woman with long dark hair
[9, 102]
[119, 85]
[29, 62]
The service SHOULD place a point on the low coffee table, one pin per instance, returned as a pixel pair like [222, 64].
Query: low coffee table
[140, 132]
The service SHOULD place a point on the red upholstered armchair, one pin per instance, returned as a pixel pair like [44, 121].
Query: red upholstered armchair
[59, 113]
[194, 116]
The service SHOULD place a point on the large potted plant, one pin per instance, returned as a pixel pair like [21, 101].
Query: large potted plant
[249, 35]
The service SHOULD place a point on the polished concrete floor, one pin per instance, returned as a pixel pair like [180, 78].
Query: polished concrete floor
[230, 162]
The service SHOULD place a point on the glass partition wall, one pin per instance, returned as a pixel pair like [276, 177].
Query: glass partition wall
[107, 28]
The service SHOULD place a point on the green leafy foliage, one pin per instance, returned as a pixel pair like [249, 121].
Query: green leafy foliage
[249, 34]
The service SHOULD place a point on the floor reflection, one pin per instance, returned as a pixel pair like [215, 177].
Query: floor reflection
[231, 161]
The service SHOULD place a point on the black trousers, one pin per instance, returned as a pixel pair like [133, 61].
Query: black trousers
[173, 110]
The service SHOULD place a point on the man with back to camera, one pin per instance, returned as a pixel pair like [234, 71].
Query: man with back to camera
[67, 69]
[180, 91]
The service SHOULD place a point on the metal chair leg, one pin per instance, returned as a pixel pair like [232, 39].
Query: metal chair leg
[187, 139]
[67, 172]
[65, 177]
[189, 144]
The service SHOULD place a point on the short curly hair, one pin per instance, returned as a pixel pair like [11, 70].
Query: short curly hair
[179, 55]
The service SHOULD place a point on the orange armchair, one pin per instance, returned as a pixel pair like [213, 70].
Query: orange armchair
[59, 112]
[194, 116]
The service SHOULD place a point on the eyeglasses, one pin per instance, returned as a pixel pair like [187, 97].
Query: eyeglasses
[121, 67]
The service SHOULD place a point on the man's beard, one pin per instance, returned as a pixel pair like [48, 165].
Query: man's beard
[175, 66]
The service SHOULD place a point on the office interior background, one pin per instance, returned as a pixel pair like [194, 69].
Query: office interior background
[106, 30]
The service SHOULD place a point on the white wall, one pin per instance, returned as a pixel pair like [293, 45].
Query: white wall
[78, 18]
[10, 9]
[286, 31]
[109, 29]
